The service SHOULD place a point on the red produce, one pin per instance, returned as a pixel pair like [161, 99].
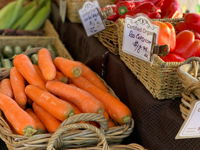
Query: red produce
[171, 57]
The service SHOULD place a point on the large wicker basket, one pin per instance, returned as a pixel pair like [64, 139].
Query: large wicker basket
[189, 76]
[68, 139]
[74, 5]
[160, 77]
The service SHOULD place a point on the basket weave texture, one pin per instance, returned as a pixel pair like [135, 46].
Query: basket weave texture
[74, 5]
[109, 37]
[71, 133]
[160, 78]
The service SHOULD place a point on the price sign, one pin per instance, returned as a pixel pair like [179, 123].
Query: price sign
[62, 9]
[91, 18]
[191, 126]
[138, 37]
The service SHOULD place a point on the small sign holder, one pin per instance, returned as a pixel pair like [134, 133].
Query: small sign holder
[91, 18]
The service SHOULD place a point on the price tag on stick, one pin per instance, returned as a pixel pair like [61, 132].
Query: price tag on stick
[139, 37]
[191, 126]
[91, 18]
[62, 9]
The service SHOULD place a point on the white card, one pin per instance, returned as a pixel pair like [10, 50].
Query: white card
[91, 18]
[138, 37]
[191, 126]
[62, 9]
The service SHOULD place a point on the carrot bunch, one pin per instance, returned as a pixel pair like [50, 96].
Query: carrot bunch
[37, 98]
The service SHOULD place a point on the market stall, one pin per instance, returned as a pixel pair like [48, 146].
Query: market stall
[156, 122]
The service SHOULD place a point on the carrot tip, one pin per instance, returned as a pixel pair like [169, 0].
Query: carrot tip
[71, 113]
[29, 131]
[100, 111]
[126, 119]
[77, 72]
[64, 80]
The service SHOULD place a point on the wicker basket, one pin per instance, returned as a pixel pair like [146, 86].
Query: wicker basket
[74, 5]
[189, 76]
[71, 138]
[109, 37]
[160, 77]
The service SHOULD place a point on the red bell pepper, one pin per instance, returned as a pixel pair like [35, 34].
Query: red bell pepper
[125, 6]
[194, 49]
[181, 26]
[184, 40]
[172, 36]
[197, 35]
[171, 57]
[192, 20]
[171, 9]
[167, 35]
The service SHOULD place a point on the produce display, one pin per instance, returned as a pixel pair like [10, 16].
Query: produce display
[152, 8]
[9, 52]
[37, 98]
[24, 14]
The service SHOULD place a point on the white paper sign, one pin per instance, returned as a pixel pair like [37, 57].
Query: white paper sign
[91, 18]
[191, 126]
[138, 37]
[62, 9]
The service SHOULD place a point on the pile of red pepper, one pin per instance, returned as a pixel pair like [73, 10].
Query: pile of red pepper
[152, 8]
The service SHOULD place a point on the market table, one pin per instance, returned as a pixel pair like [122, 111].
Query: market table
[156, 122]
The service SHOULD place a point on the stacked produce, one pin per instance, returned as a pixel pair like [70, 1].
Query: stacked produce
[37, 98]
[183, 40]
[152, 8]
[8, 52]
[24, 14]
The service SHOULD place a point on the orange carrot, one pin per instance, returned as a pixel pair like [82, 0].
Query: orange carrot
[18, 86]
[92, 77]
[58, 108]
[39, 72]
[21, 121]
[116, 109]
[39, 126]
[61, 77]
[82, 99]
[68, 67]
[50, 122]
[46, 65]
[6, 88]
[25, 67]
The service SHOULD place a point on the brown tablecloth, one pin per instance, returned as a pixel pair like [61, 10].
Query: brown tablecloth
[156, 122]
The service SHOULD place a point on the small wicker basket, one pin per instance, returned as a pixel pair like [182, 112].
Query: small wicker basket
[74, 5]
[70, 138]
[160, 77]
[109, 37]
[189, 75]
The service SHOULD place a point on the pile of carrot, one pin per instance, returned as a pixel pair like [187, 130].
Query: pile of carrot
[37, 98]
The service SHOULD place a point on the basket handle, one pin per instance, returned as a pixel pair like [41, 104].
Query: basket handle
[87, 117]
[189, 60]
[55, 142]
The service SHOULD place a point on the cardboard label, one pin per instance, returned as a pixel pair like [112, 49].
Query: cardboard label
[139, 36]
[63, 9]
[191, 126]
[91, 18]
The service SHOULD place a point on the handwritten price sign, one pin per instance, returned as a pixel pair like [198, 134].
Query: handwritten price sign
[91, 18]
[138, 37]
